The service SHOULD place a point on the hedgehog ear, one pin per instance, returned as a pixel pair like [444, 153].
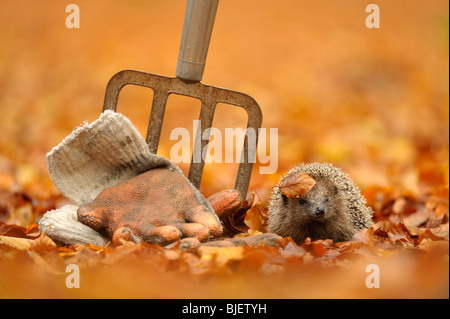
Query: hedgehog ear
[335, 190]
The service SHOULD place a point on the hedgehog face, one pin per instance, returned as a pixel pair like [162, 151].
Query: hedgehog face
[318, 205]
[334, 208]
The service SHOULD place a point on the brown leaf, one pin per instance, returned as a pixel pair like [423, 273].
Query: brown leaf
[254, 217]
[429, 234]
[393, 232]
[319, 247]
[220, 256]
[365, 236]
[400, 233]
[33, 231]
[234, 223]
[12, 230]
[296, 184]
[291, 249]
[418, 218]
[442, 231]
[42, 244]
[16, 242]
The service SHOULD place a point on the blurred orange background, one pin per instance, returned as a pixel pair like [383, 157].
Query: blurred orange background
[372, 101]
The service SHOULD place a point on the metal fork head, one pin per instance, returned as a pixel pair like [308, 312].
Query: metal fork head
[209, 96]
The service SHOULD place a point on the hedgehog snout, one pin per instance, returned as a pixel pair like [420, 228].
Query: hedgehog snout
[320, 211]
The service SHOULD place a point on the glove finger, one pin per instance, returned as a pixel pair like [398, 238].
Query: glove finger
[189, 244]
[194, 230]
[161, 235]
[92, 217]
[123, 235]
[201, 216]
[225, 202]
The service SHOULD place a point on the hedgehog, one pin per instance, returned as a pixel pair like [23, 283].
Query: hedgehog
[332, 209]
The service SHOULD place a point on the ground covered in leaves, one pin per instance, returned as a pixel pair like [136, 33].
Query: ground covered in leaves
[373, 102]
[408, 243]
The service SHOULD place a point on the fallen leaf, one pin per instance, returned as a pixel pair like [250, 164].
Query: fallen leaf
[220, 255]
[33, 231]
[320, 247]
[291, 249]
[235, 223]
[399, 232]
[296, 184]
[366, 236]
[418, 218]
[42, 243]
[12, 230]
[442, 231]
[16, 242]
[254, 217]
[429, 235]
[68, 250]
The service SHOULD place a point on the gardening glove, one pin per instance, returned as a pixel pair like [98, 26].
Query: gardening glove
[158, 206]
[121, 188]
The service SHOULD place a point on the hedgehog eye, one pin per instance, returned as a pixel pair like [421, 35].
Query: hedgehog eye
[327, 199]
[302, 201]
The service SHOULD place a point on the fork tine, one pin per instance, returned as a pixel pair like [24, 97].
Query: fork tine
[156, 119]
[162, 87]
[201, 140]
